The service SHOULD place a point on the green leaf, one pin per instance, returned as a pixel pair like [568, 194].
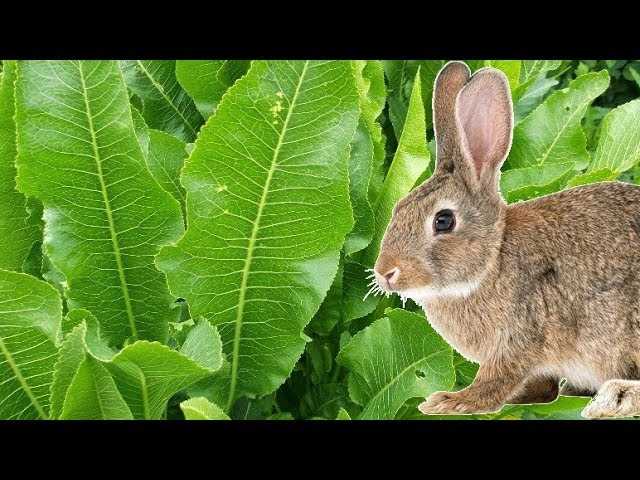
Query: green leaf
[164, 155]
[525, 183]
[30, 317]
[204, 346]
[70, 356]
[465, 371]
[148, 374]
[94, 341]
[594, 176]
[360, 168]
[366, 162]
[105, 215]
[202, 409]
[372, 94]
[355, 288]
[410, 160]
[165, 160]
[591, 124]
[166, 106]
[532, 96]
[635, 75]
[396, 358]
[619, 144]
[93, 395]
[142, 131]
[82, 388]
[330, 312]
[532, 69]
[552, 132]
[343, 415]
[17, 232]
[268, 211]
[400, 75]
[207, 80]
[532, 81]
[563, 408]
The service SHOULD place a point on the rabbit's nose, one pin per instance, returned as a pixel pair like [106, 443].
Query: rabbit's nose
[390, 277]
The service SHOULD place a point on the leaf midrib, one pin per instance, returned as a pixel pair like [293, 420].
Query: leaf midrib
[23, 383]
[105, 197]
[160, 90]
[252, 240]
[396, 378]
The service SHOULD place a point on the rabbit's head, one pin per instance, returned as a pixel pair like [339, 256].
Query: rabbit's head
[445, 234]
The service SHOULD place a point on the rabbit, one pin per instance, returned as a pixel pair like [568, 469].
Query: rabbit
[535, 292]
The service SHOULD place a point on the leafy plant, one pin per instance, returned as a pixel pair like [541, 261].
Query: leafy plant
[191, 239]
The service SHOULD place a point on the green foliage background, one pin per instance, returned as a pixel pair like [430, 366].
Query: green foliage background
[190, 239]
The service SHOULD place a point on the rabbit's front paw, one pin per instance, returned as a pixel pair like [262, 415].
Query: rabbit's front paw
[442, 403]
[616, 398]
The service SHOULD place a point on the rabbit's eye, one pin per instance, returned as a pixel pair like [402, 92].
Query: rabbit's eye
[444, 221]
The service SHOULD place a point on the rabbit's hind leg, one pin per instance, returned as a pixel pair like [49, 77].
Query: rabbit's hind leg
[615, 398]
[536, 390]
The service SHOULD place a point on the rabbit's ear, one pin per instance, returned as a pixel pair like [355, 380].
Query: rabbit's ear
[484, 120]
[450, 80]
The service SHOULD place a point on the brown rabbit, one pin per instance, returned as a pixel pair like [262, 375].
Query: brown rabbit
[534, 292]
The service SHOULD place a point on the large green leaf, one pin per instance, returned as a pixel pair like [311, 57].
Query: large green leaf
[268, 210]
[202, 409]
[30, 317]
[396, 358]
[552, 132]
[165, 105]
[17, 232]
[207, 80]
[619, 142]
[106, 217]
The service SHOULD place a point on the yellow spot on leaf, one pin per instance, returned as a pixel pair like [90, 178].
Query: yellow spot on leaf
[277, 108]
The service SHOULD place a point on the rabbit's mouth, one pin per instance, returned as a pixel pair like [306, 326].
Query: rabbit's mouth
[385, 284]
